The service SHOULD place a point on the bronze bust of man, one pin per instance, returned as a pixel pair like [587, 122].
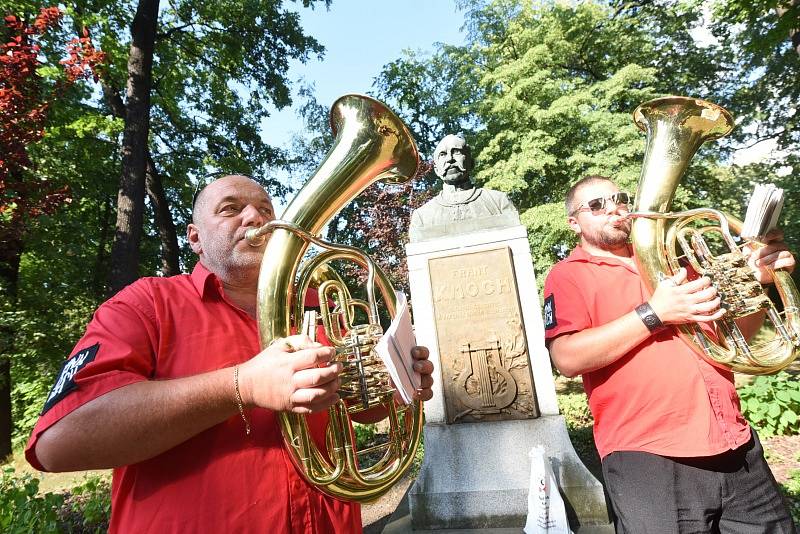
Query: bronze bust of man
[461, 207]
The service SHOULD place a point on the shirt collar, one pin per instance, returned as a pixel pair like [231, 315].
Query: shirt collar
[580, 255]
[204, 281]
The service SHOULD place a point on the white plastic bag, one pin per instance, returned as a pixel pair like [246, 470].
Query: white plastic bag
[546, 512]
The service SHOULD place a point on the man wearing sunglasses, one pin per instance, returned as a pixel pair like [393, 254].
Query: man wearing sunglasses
[170, 388]
[677, 455]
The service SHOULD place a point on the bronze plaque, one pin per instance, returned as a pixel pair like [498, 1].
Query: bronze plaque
[484, 354]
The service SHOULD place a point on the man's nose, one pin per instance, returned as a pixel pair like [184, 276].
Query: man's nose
[252, 216]
[614, 207]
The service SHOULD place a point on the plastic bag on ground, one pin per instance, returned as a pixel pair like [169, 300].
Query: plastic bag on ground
[546, 511]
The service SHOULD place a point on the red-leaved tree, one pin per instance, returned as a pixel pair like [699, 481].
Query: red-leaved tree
[377, 222]
[25, 98]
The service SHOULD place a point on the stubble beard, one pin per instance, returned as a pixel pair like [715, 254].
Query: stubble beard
[235, 264]
[611, 237]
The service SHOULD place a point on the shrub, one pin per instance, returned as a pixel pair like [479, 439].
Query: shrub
[22, 510]
[83, 510]
[88, 507]
[791, 489]
[418, 457]
[365, 434]
[772, 404]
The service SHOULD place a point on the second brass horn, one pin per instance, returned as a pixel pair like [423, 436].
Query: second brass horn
[662, 240]
[371, 144]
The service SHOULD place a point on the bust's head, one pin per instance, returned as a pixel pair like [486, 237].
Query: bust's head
[452, 160]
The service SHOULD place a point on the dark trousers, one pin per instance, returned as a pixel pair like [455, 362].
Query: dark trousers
[732, 493]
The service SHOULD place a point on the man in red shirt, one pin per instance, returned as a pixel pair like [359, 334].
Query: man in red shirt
[169, 387]
[677, 455]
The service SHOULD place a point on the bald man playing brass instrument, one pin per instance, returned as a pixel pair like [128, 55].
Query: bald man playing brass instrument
[169, 387]
[677, 454]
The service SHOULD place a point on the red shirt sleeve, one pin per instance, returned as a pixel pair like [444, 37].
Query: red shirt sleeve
[565, 307]
[117, 349]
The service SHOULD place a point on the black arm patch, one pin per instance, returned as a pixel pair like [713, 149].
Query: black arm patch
[66, 376]
[550, 312]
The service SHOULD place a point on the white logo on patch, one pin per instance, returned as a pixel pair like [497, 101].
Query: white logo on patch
[71, 367]
[548, 313]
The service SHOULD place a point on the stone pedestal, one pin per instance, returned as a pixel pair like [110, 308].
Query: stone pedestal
[476, 470]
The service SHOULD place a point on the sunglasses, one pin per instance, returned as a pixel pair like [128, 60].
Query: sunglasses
[596, 205]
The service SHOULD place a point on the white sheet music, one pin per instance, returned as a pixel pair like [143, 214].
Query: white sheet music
[763, 211]
[394, 348]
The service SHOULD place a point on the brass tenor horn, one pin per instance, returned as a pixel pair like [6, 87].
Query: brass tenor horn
[371, 144]
[663, 241]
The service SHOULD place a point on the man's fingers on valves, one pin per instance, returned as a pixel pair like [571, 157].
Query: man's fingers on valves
[696, 285]
[708, 317]
[704, 295]
[708, 306]
[294, 343]
[313, 399]
[317, 376]
[312, 357]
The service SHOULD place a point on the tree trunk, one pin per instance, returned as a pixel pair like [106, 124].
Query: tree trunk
[100, 274]
[794, 33]
[130, 200]
[170, 266]
[10, 254]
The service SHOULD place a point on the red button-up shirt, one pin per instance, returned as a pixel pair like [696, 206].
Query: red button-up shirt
[661, 397]
[220, 480]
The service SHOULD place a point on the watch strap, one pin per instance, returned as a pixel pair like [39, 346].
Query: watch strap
[649, 317]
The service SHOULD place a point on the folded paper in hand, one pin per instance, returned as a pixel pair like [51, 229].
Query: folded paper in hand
[394, 348]
[762, 211]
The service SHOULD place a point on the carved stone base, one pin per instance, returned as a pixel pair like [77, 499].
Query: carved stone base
[477, 475]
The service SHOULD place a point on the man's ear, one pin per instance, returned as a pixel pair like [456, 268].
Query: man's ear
[193, 236]
[572, 221]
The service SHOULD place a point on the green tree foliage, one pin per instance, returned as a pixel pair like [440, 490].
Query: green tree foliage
[763, 38]
[30, 96]
[218, 70]
[544, 93]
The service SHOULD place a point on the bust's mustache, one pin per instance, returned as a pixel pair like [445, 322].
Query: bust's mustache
[456, 167]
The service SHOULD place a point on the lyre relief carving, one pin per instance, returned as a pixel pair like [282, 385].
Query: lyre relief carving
[484, 375]
[484, 384]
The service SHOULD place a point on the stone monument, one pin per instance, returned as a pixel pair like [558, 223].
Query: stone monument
[475, 305]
